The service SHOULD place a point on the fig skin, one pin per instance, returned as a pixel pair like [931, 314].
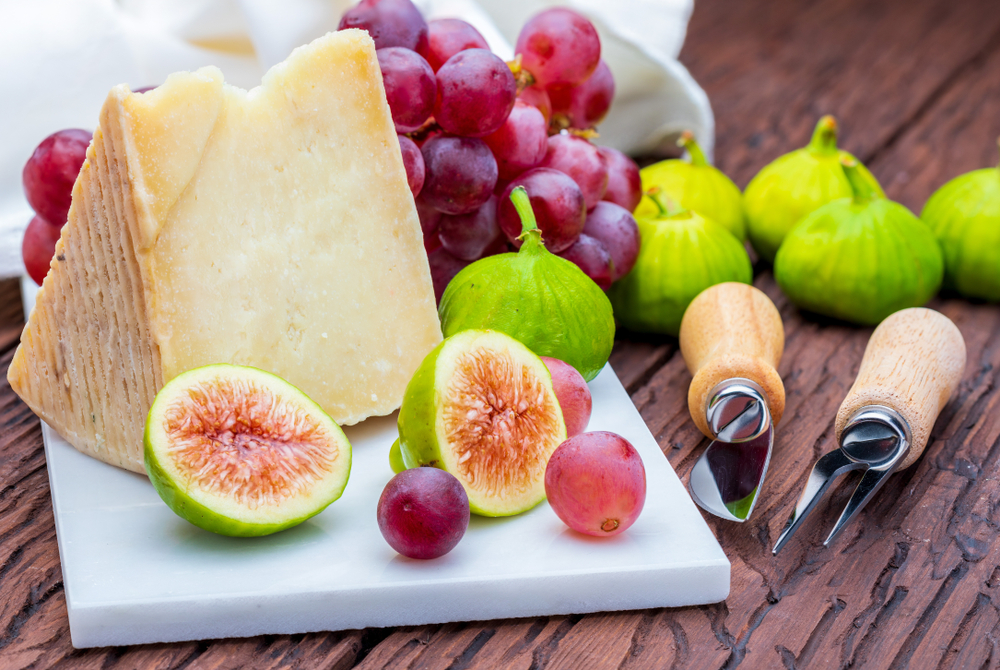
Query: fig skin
[682, 254]
[696, 185]
[538, 298]
[396, 458]
[964, 215]
[795, 185]
[859, 259]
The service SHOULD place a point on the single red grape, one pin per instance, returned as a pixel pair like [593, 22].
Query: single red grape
[590, 256]
[521, 142]
[429, 217]
[596, 483]
[444, 267]
[413, 161]
[460, 173]
[586, 104]
[468, 236]
[572, 393]
[616, 229]
[50, 173]
[410, 87]
[391, 23]
[624, 184]
[38, 247]
[537, 97]
[559, 46]
[475, 93]
[582, 161]
[423, 512]
[558, 205]
[447, 37]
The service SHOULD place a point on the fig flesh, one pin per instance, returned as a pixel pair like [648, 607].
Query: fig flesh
[238, 451]
[481, 406]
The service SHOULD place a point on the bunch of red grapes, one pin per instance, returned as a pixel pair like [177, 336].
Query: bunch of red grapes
[472, 127]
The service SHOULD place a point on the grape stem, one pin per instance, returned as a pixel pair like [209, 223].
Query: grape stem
[824, 139]
[694, 151]
[531, 236]
[863, 191]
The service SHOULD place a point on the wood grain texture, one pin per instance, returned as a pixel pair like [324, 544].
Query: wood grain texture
[912, 364]
[732, 330]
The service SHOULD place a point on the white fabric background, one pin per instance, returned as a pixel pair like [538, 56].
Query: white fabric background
[59, 58]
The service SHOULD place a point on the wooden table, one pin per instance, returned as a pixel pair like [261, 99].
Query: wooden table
[914, 579]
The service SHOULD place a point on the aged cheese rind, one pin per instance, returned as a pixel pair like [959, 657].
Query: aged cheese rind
[271, 228]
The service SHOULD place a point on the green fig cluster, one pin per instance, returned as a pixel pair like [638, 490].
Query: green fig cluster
[682, 254]
[696, 185]
[795, 185]
[964, 215]
[859, 258]
[542, 300]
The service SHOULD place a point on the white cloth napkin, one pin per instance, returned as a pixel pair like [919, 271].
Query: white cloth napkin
[59, 58]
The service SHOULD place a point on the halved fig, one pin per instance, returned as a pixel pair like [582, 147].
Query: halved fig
[239, 451]
[481, 406]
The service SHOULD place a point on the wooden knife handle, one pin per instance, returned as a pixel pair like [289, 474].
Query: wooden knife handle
[912, 364]
[732, 330]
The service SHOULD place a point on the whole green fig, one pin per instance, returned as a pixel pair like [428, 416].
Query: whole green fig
[796, 184]
[965, 217]
[860, 258]
[696, 185]
[682, 254]
[542, 300]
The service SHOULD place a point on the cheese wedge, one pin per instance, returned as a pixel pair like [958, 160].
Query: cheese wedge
[272, 228]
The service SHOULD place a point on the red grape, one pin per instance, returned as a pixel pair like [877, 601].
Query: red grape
[616, 229]
[537, 97]
[449, 36]
[429, 217]
[590, 256]
[144, 89]
[413, 161]
[624, 184]
[582, 161]
[460, 173]
[572, 393]
[596, 483]
[51, 171]
[410, 87]
[423, 512]
[584, 105]
[444, 267]
[559, 46]
[468, 236]
[475, 93]
[38, 247]
[521, 142]
[558, 205]
[391, 23]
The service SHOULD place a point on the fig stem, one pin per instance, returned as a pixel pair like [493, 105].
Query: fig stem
[863, 191]
[668, 209]
[529, 226]
[824, 139]
[694, 150]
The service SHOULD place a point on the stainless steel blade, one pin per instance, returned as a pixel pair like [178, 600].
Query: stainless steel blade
[726, 479]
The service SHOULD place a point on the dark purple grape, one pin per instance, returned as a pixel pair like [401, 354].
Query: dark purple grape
[446, 37]
[586, 104]
[582, 161]
[391, 23]
[410, 87]
[50, 173]
[475, 93]
[460, 173]
[558, 205]
[444, 267]
[413, 161]
[624, 183]
[468, 236]
[38, 247]
[429, 217]
[521, 142]
[616, 229]
[590, 256]
[423, 512]
[559, 46]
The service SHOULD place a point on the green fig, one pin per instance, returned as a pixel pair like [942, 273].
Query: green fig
[859, 258]
[682, 254]
[540, 299]
[965, 217]
[795, 185]
[696, 185]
